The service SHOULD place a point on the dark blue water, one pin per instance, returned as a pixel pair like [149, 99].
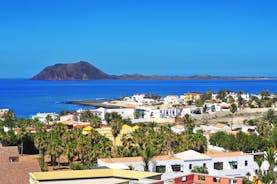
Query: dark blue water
[27, 97]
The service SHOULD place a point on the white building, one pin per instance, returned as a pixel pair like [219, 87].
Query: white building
[42, 117]
[231, 164]
[171, 99]
[67, 117]
[163, 113]
[124, 112]
[138, 98]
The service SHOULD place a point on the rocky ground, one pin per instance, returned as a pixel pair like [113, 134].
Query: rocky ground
[237, 118]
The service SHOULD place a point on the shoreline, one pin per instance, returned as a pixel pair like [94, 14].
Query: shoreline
[94, 104]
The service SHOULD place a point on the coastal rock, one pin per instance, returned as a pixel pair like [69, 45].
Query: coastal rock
[73, 71]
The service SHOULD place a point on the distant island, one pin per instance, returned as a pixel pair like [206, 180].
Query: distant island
[85, 71]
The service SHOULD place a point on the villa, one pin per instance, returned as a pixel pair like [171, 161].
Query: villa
[223, 164]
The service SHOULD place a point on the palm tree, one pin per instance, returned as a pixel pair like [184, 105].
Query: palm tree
[189, 123]
[83, 146]
[49, 119]
[138, 137]
[259, 161]
[268, 178]
[169, 138]
[22, 133]
[52, 146]
[9, 119]
[233, 109]
[270, 117]
[147, 154]
[95, 121]
[109, 117]
[116, 126]
[270, 156]
[41, 142]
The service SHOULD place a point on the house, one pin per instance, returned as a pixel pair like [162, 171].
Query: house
[95, 176]
[222, 164]
[126, 113]
[231, 164]
[192, 96]
[67, 117]
[13, 170]
[42, 117]
[138, 98]
[171, 99]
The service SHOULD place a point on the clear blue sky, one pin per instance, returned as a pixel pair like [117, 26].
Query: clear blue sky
[166, 37]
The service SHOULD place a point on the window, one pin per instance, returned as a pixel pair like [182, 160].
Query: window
[190, 166]
[233, 181]
[233, 164]
[245, 163]
[218, 165]
[184, 178]
[216, 180]
[176, 168]
[160, 169]
[13, 159]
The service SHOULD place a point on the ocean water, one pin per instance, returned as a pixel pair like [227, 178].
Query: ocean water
[27, 97]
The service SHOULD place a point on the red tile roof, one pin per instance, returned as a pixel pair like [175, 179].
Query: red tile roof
[17, 172]
[6, 152]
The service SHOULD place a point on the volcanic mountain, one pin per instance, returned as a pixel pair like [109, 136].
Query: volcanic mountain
[73, 71]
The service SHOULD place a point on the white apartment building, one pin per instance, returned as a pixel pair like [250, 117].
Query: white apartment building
[224, 164]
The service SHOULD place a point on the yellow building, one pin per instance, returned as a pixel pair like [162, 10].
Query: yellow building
[106, 131]
[108, 176]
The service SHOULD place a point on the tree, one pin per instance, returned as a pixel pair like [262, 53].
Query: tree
[270, 156]
[189, 123]
[169, 138]
[22, 133]
[147, 154]
[270, 117]
[259, 161]
[95, 121]
[9, 119]
[112, 116]
[116, 126]
[41, 143]
[221, 94]
[49, 119]
[264, 94]
[200, 169]
[233, 109]
[268, 178]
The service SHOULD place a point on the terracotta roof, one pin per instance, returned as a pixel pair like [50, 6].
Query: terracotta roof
[17, 172]
[123, 159]
[6, 152]
[69, 122]
[226, 154]
[30, 129]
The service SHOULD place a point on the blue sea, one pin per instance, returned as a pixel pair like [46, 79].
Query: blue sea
[27, 97]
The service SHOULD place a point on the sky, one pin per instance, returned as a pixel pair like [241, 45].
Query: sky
[151, 37]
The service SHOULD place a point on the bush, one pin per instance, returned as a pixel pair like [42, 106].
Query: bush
[79, 166]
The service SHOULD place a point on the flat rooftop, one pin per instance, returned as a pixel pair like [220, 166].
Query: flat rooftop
[215, 154]
[91, 174]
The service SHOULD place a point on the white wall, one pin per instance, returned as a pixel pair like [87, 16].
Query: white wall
[228, 171]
